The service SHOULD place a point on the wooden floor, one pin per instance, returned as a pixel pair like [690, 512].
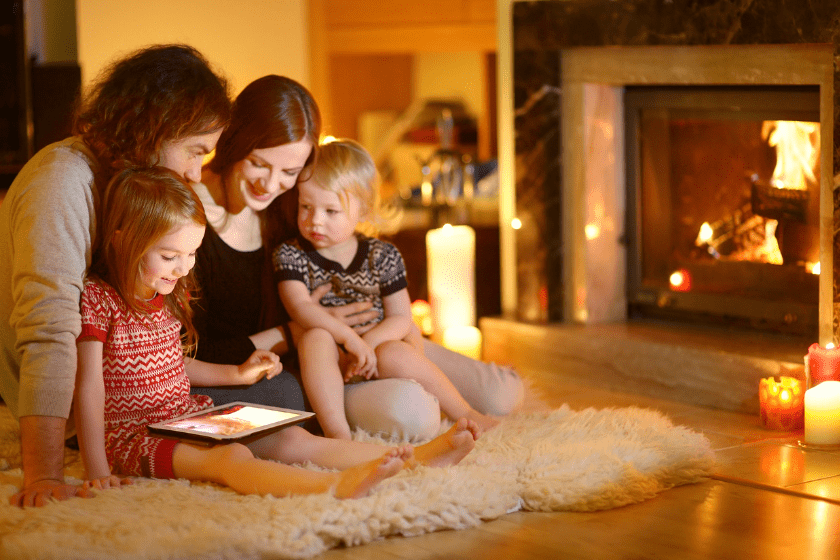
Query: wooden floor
[769, 499]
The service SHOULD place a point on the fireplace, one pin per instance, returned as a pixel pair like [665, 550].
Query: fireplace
[573, 61]
[723, 205]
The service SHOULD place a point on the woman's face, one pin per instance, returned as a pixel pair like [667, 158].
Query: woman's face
[265, 174]
[186, 155]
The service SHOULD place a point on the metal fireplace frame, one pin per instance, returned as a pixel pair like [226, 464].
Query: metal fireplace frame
[760, 311]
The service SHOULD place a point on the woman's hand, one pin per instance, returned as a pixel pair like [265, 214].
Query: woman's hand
[352, 314]
[106, 482]
[262, 363]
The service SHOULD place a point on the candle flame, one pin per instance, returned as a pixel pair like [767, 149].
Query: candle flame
[705, 234]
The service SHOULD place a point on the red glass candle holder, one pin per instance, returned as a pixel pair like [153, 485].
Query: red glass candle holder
[782, 403]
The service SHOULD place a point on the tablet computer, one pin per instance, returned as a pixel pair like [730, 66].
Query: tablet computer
[230, 422]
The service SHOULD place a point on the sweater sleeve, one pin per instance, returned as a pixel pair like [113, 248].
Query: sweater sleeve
[49, 212]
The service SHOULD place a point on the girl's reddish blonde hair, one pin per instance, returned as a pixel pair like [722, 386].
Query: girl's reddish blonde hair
[139, 207]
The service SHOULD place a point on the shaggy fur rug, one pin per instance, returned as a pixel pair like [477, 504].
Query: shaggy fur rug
[558, 460]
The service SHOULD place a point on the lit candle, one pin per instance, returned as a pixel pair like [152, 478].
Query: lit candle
[450, 259]
[782, 403]
[822, 414]
[463, 339]
[823, 363]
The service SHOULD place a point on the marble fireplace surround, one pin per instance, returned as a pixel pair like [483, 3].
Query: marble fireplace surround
[571, 60]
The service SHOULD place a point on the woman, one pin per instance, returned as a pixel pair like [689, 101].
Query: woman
[162, 105]
[272, 138]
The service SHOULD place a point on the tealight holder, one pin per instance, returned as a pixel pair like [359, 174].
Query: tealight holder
[782, 403]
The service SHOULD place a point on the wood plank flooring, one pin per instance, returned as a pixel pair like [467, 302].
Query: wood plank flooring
[764, 502]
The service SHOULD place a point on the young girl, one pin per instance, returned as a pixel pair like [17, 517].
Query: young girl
[132, 371]
[339, 194]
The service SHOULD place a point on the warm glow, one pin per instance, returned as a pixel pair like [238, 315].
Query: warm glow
[813, 268]
[328, 140]
[781, 403]
[796, 152]
[592, 231]
[426, 192]
[680, 281]
[516, 223]
[465, 340]
[421, 314]
[705, 234]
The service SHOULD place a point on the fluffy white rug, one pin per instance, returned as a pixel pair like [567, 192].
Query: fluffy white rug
[559, 460]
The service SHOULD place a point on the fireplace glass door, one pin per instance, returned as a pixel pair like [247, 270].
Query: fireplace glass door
[723, 205]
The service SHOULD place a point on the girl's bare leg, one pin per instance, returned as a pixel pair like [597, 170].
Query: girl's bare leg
[236, 467]
[296, 445]
[397, 358]
[323, 382]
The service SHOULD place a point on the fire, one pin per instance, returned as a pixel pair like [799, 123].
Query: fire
[797, 159]
[797, 152]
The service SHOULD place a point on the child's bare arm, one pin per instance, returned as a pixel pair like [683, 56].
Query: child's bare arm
[90, 409]
[397, 322]
[309, 314]
[261, 363]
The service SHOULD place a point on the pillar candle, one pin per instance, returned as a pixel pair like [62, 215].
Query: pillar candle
[463, 339]
[822, 414]
[823, 364]
[450, 260]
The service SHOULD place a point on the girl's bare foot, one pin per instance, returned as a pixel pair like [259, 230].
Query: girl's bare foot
[356, 482]
[449, 448]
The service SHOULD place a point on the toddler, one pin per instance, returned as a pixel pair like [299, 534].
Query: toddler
[337, 204]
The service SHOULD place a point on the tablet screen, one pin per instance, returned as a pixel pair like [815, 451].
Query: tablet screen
[230, 421]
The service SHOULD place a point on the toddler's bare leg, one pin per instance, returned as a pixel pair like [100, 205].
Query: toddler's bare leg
[323, 382]
[397, 358]
[448, 448]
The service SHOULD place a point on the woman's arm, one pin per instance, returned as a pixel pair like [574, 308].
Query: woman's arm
[397, 322]
[90, 409]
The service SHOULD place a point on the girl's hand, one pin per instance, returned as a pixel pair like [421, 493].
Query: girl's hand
[106, 482]
[352, 314]
[364, 360]
[262, 363]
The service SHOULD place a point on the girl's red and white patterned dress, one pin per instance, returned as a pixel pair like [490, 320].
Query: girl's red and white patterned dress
[145, 379]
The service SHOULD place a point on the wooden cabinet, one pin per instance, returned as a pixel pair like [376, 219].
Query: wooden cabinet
[361, 55]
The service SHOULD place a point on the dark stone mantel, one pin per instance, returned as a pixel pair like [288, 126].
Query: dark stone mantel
[541, 29]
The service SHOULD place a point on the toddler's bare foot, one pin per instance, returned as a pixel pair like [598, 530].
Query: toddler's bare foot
[449, 448]
[483, 421]
[356, 482]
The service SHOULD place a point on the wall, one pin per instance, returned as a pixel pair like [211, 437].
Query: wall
[456, 75]
[245, 39]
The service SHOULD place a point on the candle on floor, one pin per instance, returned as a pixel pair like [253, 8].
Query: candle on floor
[450, 258]
[782, 403]
[822, 414]
[823, 363]
[463, 339]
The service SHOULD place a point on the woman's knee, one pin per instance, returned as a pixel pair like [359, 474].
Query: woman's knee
[393, 407]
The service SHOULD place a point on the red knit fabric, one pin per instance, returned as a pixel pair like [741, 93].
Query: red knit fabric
[145, 380]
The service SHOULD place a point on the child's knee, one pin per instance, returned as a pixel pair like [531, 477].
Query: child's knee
[232, 452]
[391, 349]
[318, 337]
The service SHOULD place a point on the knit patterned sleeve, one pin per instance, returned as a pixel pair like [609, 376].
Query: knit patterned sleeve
[290, 262]
[389, 262]
[95, 312]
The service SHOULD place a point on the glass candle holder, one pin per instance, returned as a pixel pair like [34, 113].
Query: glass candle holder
[782, 403]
